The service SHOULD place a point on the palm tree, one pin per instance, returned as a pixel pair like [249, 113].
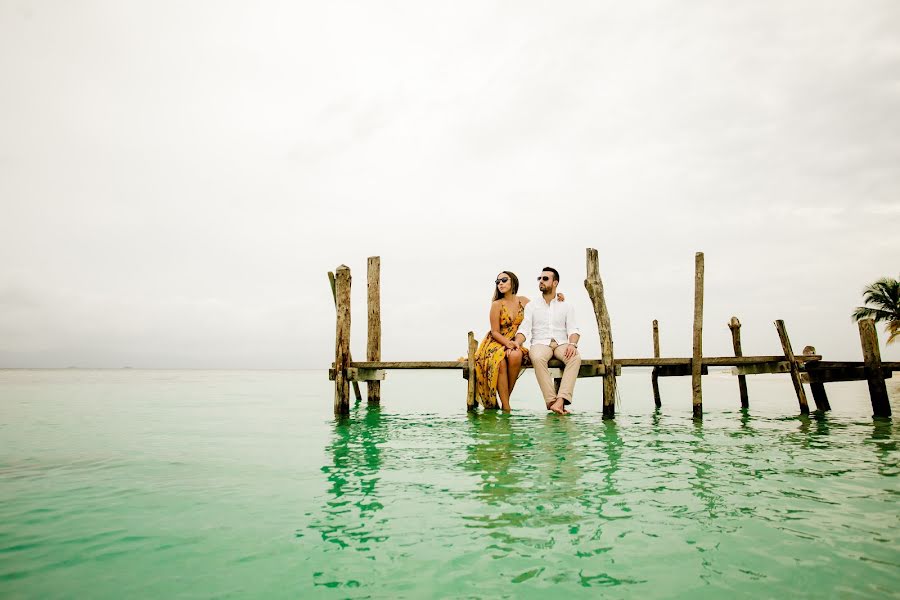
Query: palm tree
[883, 298]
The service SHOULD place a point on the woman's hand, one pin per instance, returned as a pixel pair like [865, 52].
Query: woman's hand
[560, 297]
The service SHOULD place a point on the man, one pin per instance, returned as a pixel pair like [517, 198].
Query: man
[550, 327]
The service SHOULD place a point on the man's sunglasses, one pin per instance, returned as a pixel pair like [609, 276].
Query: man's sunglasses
[501, 280]
[544, 278]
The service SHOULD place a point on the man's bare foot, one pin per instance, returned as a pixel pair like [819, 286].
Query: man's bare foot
[557, 406]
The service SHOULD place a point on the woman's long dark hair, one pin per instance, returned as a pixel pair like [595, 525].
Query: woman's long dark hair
[512, 279]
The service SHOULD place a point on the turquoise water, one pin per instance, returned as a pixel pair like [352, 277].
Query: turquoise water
[201, 484]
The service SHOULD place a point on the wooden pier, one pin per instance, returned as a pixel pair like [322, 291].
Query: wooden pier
[805, 368]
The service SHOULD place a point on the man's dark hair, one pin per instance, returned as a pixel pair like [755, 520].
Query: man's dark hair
[554, 271]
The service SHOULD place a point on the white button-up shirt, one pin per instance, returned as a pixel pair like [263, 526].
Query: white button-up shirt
[545, 322]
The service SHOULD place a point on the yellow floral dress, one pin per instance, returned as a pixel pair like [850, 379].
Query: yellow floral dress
[491, 353]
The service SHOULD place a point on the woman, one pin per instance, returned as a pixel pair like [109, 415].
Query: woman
[498, 361]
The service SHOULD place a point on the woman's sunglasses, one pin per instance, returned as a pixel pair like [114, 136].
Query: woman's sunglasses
[501, 280]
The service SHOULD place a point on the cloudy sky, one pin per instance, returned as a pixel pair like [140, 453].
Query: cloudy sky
[177, 178]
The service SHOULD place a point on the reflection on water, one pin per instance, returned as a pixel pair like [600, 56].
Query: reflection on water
[579, 501]
[527, 476]
[351, 515]
[147, 484]
[884, 441]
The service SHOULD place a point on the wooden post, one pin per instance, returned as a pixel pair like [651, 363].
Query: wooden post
[735, 327]
[868, 336]
[342, 341]
[470, 391]
[795, 369]
[373, 347]
[816, 387]
[356, 391]
[594, 286]
[697, 360]
[654, 377]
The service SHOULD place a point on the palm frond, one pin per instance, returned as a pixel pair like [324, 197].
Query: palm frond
[882, 299]
[884, 293]
[864, 312]
[893, 329]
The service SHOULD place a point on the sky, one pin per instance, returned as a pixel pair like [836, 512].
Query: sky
[177, 178]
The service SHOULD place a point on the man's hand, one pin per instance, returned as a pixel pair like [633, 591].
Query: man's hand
[570, 350]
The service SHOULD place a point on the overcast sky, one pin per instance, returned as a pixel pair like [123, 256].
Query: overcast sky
[177, 178]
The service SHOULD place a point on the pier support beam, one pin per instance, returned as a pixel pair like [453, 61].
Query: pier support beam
[470, 390]
[795, 368]
[735, 326]
[654, 377]
[868, 336]
[373, 346]
[342, 341]
[356, 391]
[820, 398]
[697, 359]
[594, 286]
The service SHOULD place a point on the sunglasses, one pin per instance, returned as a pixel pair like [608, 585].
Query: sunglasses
[501, 280]
[544, 278]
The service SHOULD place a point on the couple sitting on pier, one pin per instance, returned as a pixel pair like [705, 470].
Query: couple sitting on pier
[548, 324]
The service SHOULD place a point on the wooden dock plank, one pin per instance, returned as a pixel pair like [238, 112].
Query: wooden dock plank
[708, 361]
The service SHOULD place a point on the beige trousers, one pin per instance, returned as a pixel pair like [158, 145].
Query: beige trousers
[540, 356]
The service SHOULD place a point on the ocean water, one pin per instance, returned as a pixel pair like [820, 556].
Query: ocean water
[222, 484]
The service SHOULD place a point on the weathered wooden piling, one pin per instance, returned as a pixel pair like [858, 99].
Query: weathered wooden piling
[594, 286]
[794, 366]
[820, 398]
[342, 341]
[735, 326]
[470, 362]
[373, 345]
[654, 377]
[356, 391]
[868, 337]
[697, 359]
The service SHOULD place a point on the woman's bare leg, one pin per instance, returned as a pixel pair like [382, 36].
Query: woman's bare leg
[503, 386]
[514, 365]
